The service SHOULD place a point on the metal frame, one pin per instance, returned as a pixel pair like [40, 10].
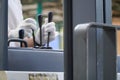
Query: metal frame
[3, 35]
[89, 64]
[68, 39]
[77, 12]
[70, 21]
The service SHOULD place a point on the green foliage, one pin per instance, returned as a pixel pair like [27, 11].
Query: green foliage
[116, 5]
[116, 8]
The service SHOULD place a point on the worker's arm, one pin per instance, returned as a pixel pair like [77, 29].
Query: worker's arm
[28, 25]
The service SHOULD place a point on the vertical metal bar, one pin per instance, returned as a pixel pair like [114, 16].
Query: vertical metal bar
[108, 11]
[99, 18]
[103, 11]
[87, 64]
[99, 11]
[103, 8]
[80, 54]
[3, 34]
[68, 40]
[109, 54]
[84, 57]
[84, 11]
[91, 54]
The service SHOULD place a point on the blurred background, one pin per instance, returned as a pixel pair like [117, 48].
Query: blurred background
[116, 20]
[31, 8]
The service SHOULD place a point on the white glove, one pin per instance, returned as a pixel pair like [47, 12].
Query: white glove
[46, 27]
[27, 25]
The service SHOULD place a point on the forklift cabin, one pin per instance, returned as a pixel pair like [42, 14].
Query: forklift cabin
[89, 50]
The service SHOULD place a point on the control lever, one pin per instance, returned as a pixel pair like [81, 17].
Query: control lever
[21, 36]
[48, 47]
[50, 16]
[40, 26]
[34, 45]
[18, 40]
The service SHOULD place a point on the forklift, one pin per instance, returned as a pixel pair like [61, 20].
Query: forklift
[89, 44]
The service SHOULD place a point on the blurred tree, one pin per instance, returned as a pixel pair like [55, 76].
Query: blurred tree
[28, 1]
[116, 8]
[116, 5]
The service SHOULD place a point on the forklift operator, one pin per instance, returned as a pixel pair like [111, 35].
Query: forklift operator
[16, 23]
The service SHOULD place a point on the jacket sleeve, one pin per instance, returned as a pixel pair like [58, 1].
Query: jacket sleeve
[15, 14]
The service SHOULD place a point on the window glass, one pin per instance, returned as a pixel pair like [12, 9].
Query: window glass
[32, 8]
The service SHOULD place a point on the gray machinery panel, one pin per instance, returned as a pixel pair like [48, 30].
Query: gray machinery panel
[30, 59]
[84, 11]
[88, 63]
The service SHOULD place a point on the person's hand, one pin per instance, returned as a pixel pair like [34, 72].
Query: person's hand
[46, 27]
[27, 25]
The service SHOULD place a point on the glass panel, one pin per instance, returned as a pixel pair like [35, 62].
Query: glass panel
[32, 8]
